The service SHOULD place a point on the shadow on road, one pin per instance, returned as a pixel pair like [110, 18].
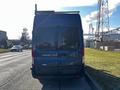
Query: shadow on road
[105, 80]
[63, 83]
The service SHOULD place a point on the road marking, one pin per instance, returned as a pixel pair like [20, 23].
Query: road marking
[11, 57]
[14, 60]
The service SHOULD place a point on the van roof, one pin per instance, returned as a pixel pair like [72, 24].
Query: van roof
[56, 19]
[58, 12]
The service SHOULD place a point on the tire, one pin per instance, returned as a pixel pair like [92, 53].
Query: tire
[34, 75]
[82, 71]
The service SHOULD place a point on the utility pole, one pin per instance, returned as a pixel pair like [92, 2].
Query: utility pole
[102, 22]
[91, 31]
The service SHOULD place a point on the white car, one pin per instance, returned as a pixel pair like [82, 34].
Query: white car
[16, 48]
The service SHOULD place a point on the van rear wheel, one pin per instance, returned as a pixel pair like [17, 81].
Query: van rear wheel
[34, 75]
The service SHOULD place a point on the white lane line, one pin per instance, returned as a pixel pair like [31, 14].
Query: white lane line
[14, 56]
[11, 54]
[5, 56]
[12, 61]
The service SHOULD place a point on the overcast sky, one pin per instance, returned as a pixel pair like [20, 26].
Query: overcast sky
[17, 14]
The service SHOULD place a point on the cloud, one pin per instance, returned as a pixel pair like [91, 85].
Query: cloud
[14, 15]
[85, 25]
[57, 4]
[113, 4]
[92, 17]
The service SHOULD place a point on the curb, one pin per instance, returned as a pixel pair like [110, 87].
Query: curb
[94, 85]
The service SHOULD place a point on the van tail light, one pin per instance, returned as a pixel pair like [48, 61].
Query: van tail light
[33, 56]
[33, 53]
[82, 52]
[83, 58]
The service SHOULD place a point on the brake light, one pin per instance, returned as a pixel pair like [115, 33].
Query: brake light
[83, 58]
[82, 52]
[33, 52]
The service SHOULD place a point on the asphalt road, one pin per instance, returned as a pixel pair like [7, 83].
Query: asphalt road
[15, 74]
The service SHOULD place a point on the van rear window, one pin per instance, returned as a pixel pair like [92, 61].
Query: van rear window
[58, 38]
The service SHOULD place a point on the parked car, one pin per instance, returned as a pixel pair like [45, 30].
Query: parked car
[16, 48]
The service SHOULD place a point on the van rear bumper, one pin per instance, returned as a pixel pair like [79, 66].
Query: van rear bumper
[57, 70]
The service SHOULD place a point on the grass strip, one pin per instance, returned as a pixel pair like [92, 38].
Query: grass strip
[104, 67]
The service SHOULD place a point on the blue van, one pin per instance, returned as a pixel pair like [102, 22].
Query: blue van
[57, 44]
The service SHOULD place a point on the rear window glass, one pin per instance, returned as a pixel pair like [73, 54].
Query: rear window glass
[58, 38]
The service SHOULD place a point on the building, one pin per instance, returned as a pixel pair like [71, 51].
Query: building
[110, 40]
[3, 39]
[113, 35]
[89, 43]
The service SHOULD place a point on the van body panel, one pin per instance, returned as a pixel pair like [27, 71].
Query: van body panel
[57, 44]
